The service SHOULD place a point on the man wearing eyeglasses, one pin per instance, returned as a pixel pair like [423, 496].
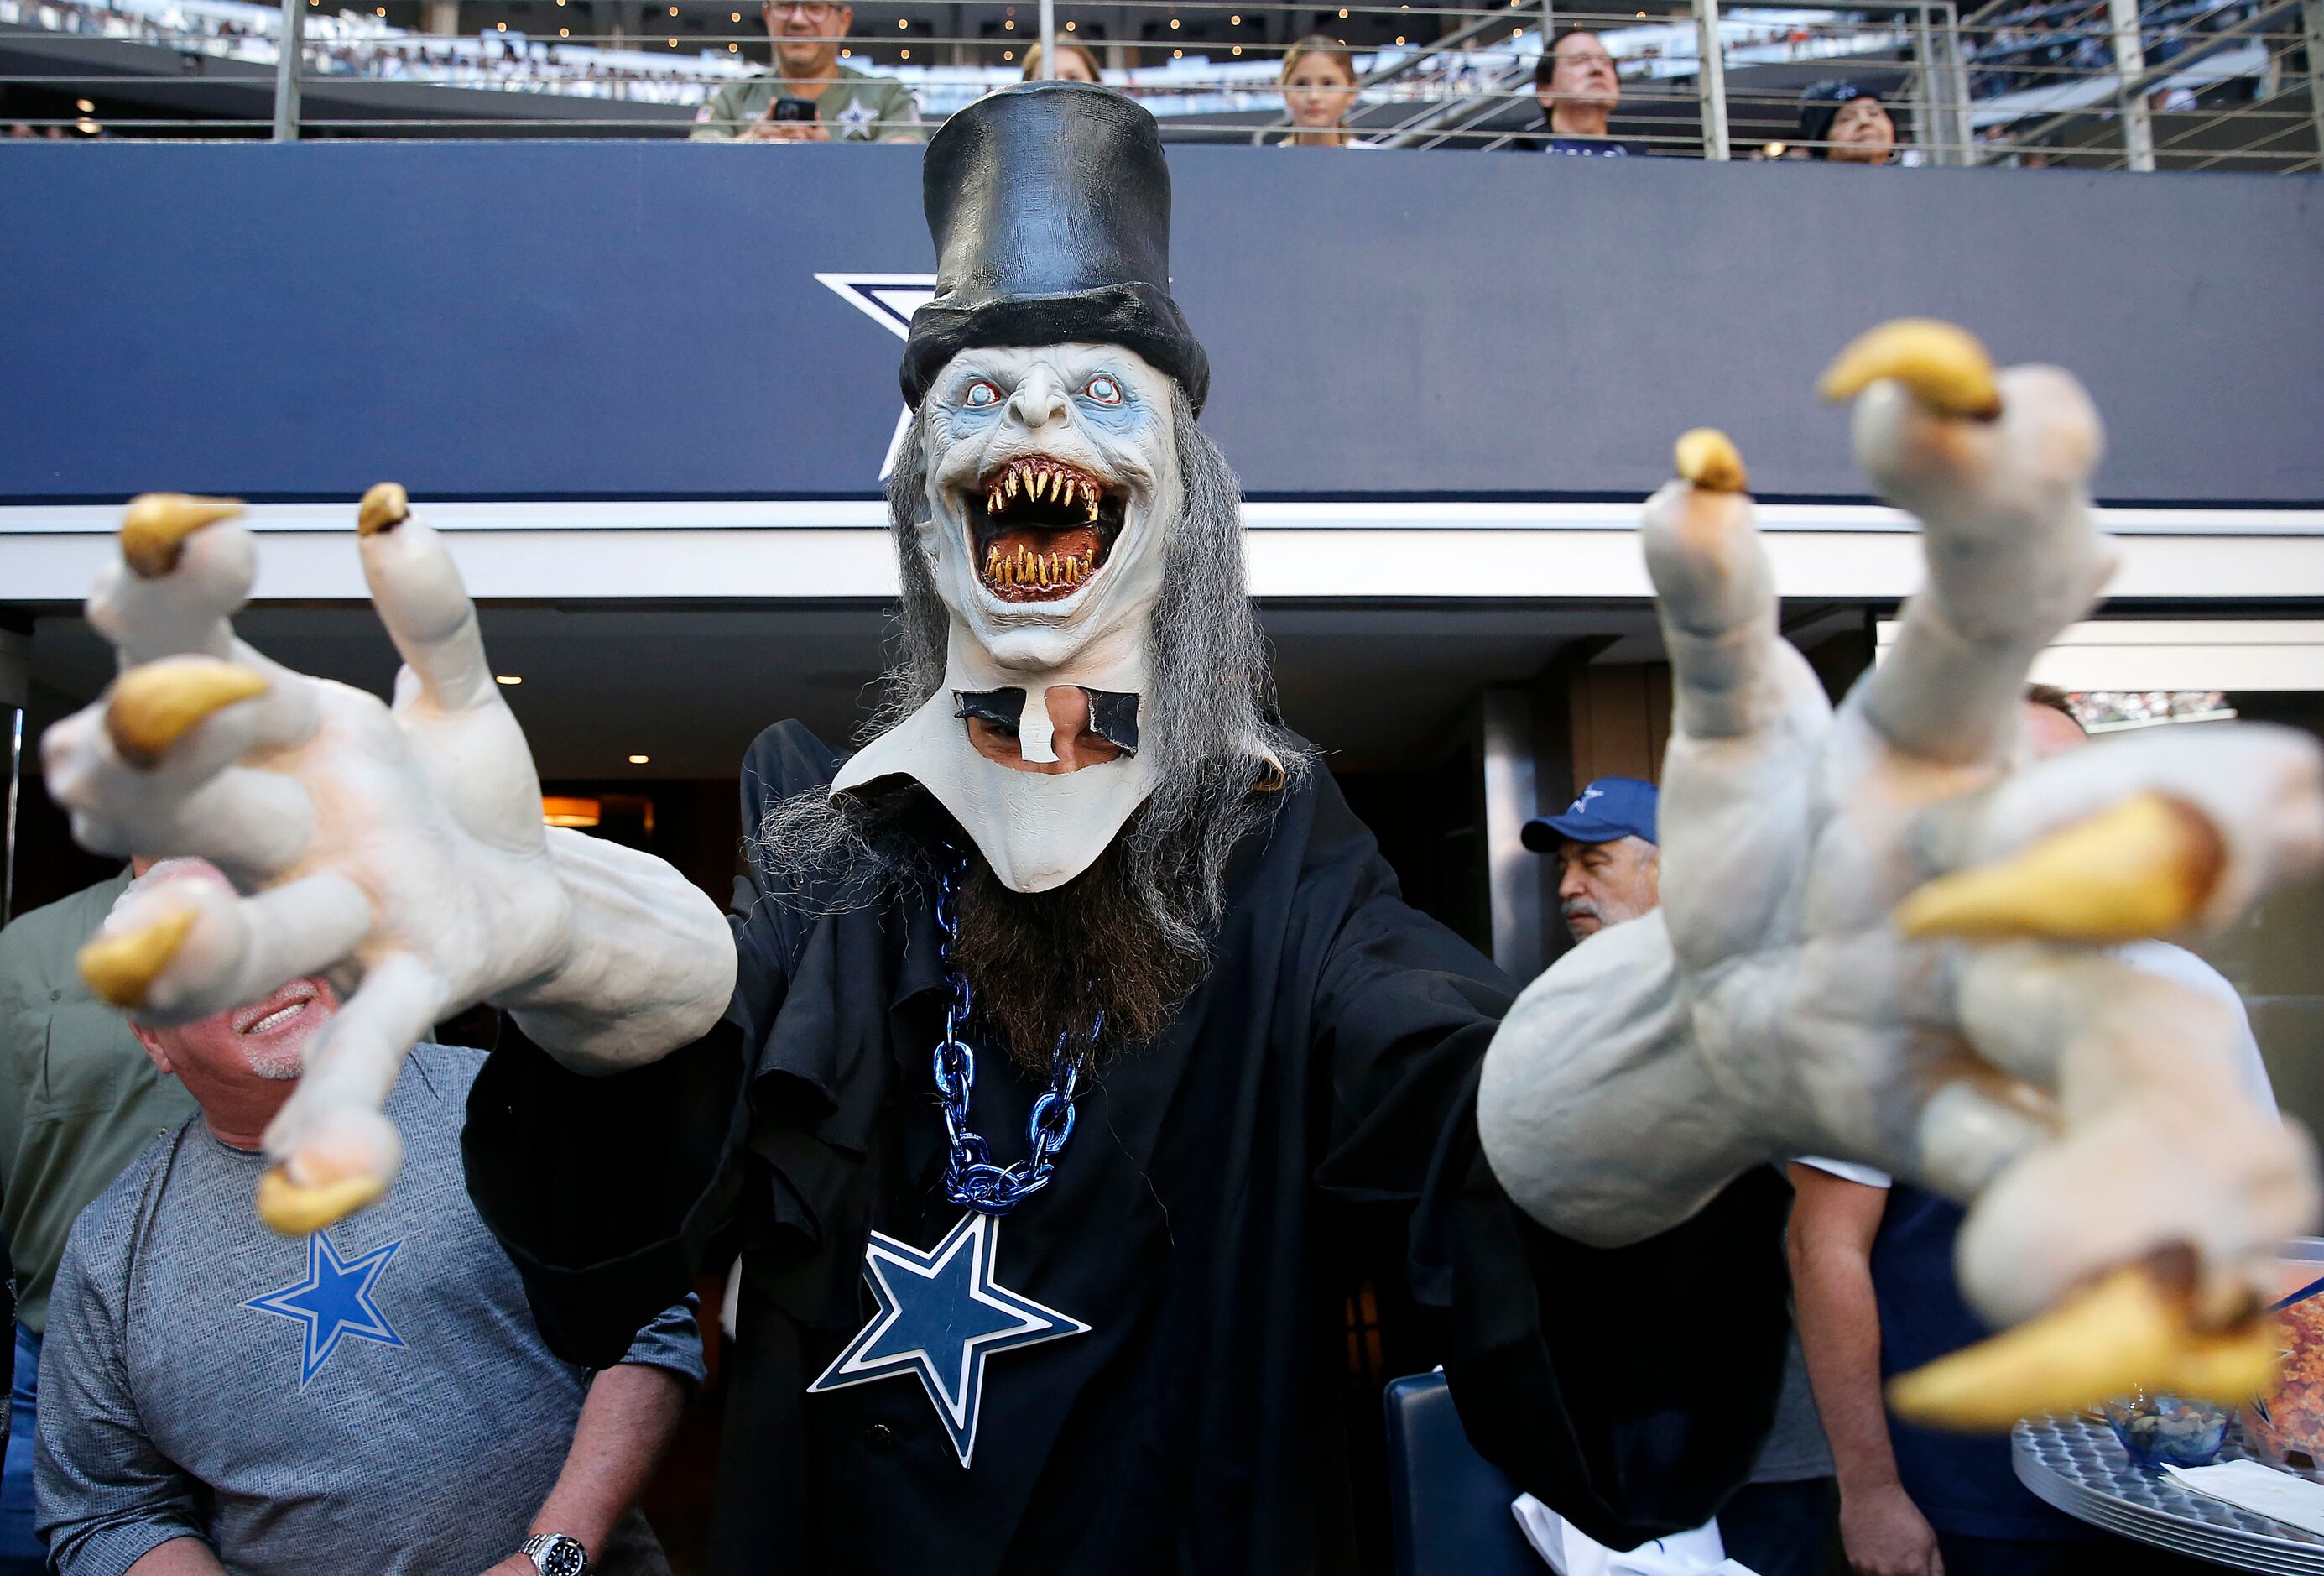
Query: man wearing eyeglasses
[810, 97]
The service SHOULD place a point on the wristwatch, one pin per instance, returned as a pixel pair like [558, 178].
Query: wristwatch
[555, 1554]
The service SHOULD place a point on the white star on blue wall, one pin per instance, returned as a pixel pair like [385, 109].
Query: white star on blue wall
[941, 1314]
[333, 1301]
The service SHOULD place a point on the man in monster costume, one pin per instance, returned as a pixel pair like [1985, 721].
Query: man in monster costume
[1047, 1029]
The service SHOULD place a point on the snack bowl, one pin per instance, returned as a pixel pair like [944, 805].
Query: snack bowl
[2285, 1427]
[2167, 1430]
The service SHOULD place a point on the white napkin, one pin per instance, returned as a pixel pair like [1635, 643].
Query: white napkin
[2261, 1489]
[1570, 1553]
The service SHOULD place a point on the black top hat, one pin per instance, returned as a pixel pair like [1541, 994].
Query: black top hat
[1050, 206]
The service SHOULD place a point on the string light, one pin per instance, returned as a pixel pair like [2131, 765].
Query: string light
[901, 22]
[1237, 49]
[733, 48]
[640, 760]
[502, 26]
[1069, 27]
[673, 43]
[1010, 26]
[847, 54]
[1399, 38]
[906, 53]
[1173, 24]
[85, 105]
[1008, 54]
[564, 33]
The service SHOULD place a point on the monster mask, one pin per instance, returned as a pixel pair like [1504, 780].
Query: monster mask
[1046, 495]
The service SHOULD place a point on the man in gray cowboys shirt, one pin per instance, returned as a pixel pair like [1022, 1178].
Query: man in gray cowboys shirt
[373, 1397]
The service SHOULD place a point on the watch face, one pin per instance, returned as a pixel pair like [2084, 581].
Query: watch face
[563, 1557]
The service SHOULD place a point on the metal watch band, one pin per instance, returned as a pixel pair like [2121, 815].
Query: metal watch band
[555, 1554]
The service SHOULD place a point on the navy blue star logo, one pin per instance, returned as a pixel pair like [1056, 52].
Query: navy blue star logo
[941, 1314]
[333, 1301]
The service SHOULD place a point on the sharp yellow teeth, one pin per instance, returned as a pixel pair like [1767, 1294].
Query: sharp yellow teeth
[1093, 511]
[122, 967]
[156, 705]
[2125, 1332]
[1012, 484]
[1945, 367]
[155, 526]
[2144, 868]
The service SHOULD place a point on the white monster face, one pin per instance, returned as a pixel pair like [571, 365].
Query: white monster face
[1053, 482]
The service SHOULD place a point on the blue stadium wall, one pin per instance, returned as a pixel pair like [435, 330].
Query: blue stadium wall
[644, 320]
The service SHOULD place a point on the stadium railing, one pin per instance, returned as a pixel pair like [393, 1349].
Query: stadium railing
[2125, 84]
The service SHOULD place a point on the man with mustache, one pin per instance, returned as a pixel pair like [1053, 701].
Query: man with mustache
[373, 1395]
[1610, 870]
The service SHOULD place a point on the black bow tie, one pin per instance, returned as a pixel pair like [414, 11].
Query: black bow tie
[1114, 716]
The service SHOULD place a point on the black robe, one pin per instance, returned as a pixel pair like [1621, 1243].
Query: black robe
[1328, 1061]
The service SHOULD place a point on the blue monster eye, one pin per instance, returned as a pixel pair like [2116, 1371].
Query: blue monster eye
[1103, 389]
[979, 394]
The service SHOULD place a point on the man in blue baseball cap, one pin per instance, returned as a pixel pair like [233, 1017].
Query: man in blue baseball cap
[1606, 842]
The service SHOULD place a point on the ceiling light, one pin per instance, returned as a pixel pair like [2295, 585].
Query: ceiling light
[1237, 49]
[673, 43]
[847, 54]
[1173, 24]
[733, 47]
[907, 54]
[85, 106]
[1774, 150]
[1399, 38]
[564, 33]
[1010, 25]
[902, 22]
[88, 128]
[503, 26]
[1070, 26]
[640, 760]
[1008, 54]
[1177, 54]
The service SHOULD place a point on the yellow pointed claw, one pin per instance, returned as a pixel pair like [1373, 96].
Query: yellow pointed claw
[295, 1210]
[1709, 459]
[156, 705]
[1944, 367]
[2129, 1332]
[2146, 867]
[155, 526]
[122, 966]
[383, 509]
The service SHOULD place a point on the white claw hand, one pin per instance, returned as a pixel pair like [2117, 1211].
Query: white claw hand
[1885, 930]
[400, 850]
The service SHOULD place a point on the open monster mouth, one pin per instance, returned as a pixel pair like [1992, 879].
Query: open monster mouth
[1039, 529]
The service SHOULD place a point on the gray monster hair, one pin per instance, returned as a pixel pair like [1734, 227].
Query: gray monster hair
[1208, 709]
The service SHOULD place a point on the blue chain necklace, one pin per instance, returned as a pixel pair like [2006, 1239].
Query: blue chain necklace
[942, 1311]
[971, 1179]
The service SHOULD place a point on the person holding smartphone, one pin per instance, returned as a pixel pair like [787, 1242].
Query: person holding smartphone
[809, 96]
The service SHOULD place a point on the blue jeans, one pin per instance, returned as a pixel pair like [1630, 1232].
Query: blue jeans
[21, 1551]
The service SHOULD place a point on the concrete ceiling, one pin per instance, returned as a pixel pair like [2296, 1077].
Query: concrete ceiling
[690, 686]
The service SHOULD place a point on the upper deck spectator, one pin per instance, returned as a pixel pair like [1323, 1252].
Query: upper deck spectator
[848, 105]
[1577, 88]
[1074, 63]
[1846, 123]
[1319, 89]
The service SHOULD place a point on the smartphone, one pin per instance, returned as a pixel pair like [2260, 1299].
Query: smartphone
[792, 109]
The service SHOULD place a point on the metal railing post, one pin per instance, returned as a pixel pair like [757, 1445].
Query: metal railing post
[286, 70]
[2311, 27]
[2130, 65]
[1957, 86]
[1711, 81]
[1048, 39]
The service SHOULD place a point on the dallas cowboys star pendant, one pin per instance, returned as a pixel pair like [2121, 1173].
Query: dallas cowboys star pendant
[942, 1314]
